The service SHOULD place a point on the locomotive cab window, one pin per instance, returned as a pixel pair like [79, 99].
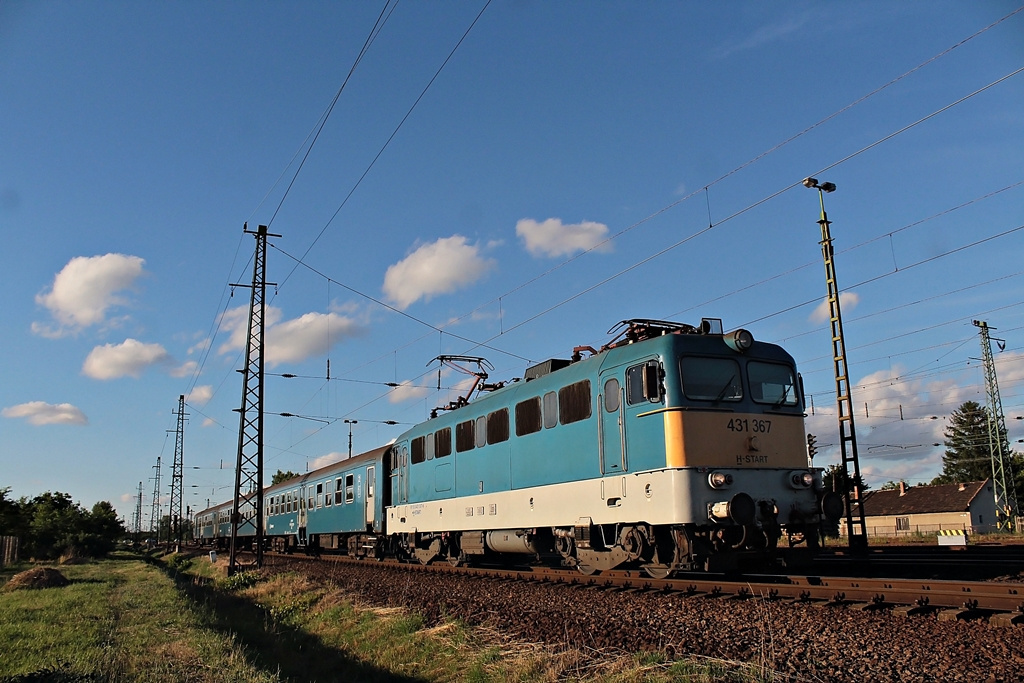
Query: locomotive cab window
[643, 383]
[773, 383]
[711, 379]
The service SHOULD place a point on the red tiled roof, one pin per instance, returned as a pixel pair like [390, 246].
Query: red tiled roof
[922, 499]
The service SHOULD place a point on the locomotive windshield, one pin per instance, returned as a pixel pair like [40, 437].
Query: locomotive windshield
[772, 383]
[711, 379]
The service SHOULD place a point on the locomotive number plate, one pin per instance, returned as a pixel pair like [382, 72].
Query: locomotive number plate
[755, 426]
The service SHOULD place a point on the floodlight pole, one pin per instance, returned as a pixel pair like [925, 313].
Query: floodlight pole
[856, 527]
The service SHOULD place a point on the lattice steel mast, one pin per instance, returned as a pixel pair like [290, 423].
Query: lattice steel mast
[856, 527]
[999, 448]
[177, 474]
[247, 509]
[138, 514]
[154, 514]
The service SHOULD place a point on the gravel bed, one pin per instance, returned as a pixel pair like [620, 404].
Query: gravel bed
[801, 642]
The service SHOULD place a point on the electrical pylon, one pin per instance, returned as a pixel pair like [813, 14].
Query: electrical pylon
[247, 509]
[177, 473]
[154, 514]
[999, 449]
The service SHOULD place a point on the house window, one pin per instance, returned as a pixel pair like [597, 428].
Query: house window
[903, 524]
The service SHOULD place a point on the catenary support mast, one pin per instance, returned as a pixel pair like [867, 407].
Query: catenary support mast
[154, 514]
[999, 449]
[247, 509]
[177, 473]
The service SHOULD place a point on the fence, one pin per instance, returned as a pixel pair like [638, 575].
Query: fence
[8, 550]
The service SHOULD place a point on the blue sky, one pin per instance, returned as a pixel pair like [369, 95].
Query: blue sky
[569, 166]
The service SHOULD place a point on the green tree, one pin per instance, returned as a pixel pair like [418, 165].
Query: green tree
[967, 456]
[280, 476]
[838, 480]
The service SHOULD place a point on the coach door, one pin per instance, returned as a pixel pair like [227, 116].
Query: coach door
[612, 437]
[371, 485]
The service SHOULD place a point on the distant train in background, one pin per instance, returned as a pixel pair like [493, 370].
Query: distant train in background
[671, 448]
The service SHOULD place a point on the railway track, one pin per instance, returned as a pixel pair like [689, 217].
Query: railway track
[1001, 603]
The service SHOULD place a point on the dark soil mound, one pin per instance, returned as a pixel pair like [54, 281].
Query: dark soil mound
[40, 577]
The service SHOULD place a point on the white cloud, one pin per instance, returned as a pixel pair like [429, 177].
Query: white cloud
[440, 267]
[200, 395]
[847, 301]
[85, 289]
[185, 369]
[405, 391]
[131, 357]
[209, 422]
[553, 238]
[40, 413]
[128, 497]
[292, 340]
[325, 460]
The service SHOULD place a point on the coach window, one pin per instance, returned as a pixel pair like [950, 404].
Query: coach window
[312, 499]
[337, 490]
[528, 416]
[497, 426]
[481, 431]
[443, 442]
[349, 488]
[327, 493]
[465, 438]
[611, 395]
[319, 495]
[574, 402]
[550, 409]
[773, 383]
[711, 379]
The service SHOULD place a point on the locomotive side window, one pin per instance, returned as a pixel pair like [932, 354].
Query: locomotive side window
[550, 409]
[772, 383]
[497, 426]
[419, 451]
[528, 416]
[574, 402]
[643, 383]
[611, 395]
[465, 438]
[443, 442]
[711, 379]
[337, 490]
[481, 431]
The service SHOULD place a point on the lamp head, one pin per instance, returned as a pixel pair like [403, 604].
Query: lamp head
[810, 182]
[828, 187]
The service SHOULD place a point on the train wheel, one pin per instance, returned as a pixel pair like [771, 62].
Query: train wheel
[672, 550]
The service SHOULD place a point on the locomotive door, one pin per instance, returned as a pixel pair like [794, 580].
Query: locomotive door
[611, 437]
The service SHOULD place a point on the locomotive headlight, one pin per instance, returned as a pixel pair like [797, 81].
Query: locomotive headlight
[801, 480]
[739, 341]
[719, 480]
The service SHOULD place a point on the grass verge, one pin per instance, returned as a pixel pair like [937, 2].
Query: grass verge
[130, 618]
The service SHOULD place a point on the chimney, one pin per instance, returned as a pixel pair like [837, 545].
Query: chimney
[903, 488]
[961, 487]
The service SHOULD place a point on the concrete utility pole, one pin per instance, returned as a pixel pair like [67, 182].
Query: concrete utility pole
[856, 527]
[247, 509]
[999, 449]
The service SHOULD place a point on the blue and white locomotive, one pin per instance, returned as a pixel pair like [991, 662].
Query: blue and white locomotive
[672, 448]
